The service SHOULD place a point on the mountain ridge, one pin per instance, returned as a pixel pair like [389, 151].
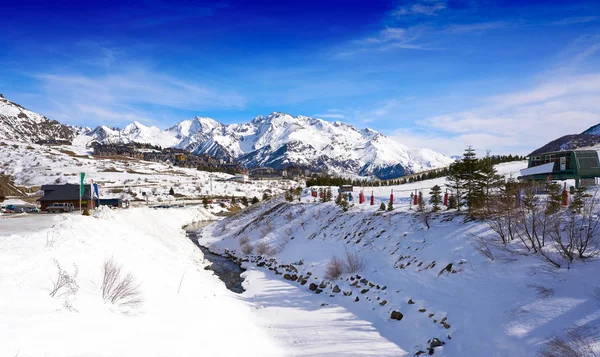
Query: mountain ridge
[278, 140]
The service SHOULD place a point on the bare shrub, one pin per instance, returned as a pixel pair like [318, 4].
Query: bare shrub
[244, 240]
[263, 248]
[247, 248]
[576, 342]
[542, 292]
[119, 290]
[353, 262]
[334, 269]
[65, 283]
[596, 293]
[482, 245]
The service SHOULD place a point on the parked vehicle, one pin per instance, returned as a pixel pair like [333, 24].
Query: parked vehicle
[60, 207]
[30, 209]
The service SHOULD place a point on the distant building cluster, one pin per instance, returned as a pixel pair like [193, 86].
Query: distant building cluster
[177, 157]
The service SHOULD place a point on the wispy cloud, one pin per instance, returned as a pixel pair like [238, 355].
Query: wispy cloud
[516, 122]
[108, 89]
[475, 27]
[575, 20]
[425, 7]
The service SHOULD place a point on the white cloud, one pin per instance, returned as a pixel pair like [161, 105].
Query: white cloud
[120, 95]
[426, 7]
[516, 122]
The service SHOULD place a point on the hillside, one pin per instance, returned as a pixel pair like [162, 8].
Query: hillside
[450, 296]
[18, 123]
[588, 138]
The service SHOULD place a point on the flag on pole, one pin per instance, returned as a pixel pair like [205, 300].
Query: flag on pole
[81, 186]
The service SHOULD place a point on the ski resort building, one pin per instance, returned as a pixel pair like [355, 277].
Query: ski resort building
[581, 165]
[68, 193]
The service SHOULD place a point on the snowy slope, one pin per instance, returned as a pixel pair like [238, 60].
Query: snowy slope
[186, 310]
[18, 123]
[509, 306]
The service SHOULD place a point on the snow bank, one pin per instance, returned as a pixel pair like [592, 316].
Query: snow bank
[186, 311]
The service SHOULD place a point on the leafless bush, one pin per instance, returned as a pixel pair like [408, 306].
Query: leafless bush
[289, 216]
[119, 290]
[596, 293]
[576, 342]
[482, 245]
[65, 283]
[542, 292]
[244, 240]
[334, 269]
[247, 248]
[353, 262]
[263, 248]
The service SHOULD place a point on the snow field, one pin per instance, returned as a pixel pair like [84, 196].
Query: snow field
[186, 311]
[477, 307]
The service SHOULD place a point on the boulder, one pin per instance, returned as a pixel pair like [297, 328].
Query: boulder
[336, 289]
[396, 315]
[313, 286]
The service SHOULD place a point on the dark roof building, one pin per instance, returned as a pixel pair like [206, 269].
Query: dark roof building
[68, 193]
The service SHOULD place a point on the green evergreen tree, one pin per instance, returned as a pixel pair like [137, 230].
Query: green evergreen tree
[245, 201]
[205, 202]
[172, 192]
[382, 206]
[233, 201]
[390, 206]
[255, 200]
[436, 197]
[577, 202]
[455, 182]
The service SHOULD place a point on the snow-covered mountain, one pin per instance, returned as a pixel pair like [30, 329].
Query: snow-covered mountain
[281, 140]
[278, 140]
[588, 138]
[18, 123]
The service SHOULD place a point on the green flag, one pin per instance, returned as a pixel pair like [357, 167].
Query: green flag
[81, 186]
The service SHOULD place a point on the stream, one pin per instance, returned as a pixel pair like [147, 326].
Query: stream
[226, 269]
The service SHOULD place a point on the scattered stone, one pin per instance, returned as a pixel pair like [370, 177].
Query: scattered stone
[371, 285]
[431, 315]
[447, 269]
[363, 291]
[431, 351]
[419, 352]
[446, 326]
[358, 277]
[378, 298]
[422, 310]
[336, 289]
[396, 315]
[352, 278]
[364, 281]
[354, 284]
[304, 281]
[294, 277]
[347, 293]
[322, 285]
[357, 299]
[318, 291]
[378, 287]
[324, 304]
[312, 287]
[261, 264]
[287, 276]
[383, 303]
[385, 287]
[410, 302]
[435, 342]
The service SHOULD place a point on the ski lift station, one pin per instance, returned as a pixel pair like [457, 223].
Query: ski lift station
[579, 165]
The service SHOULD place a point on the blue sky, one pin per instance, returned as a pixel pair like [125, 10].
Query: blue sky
[500, 75]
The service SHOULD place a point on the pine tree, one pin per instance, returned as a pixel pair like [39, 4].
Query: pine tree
[328, 195]
[233, 200]
[471, 176]
[255, 200]
[244, 200]
[390, 206]
[577, 201]
[554, 199]
[382, 206]
[205, 202]
[436, 197]
[172, 192]
[455, 182]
